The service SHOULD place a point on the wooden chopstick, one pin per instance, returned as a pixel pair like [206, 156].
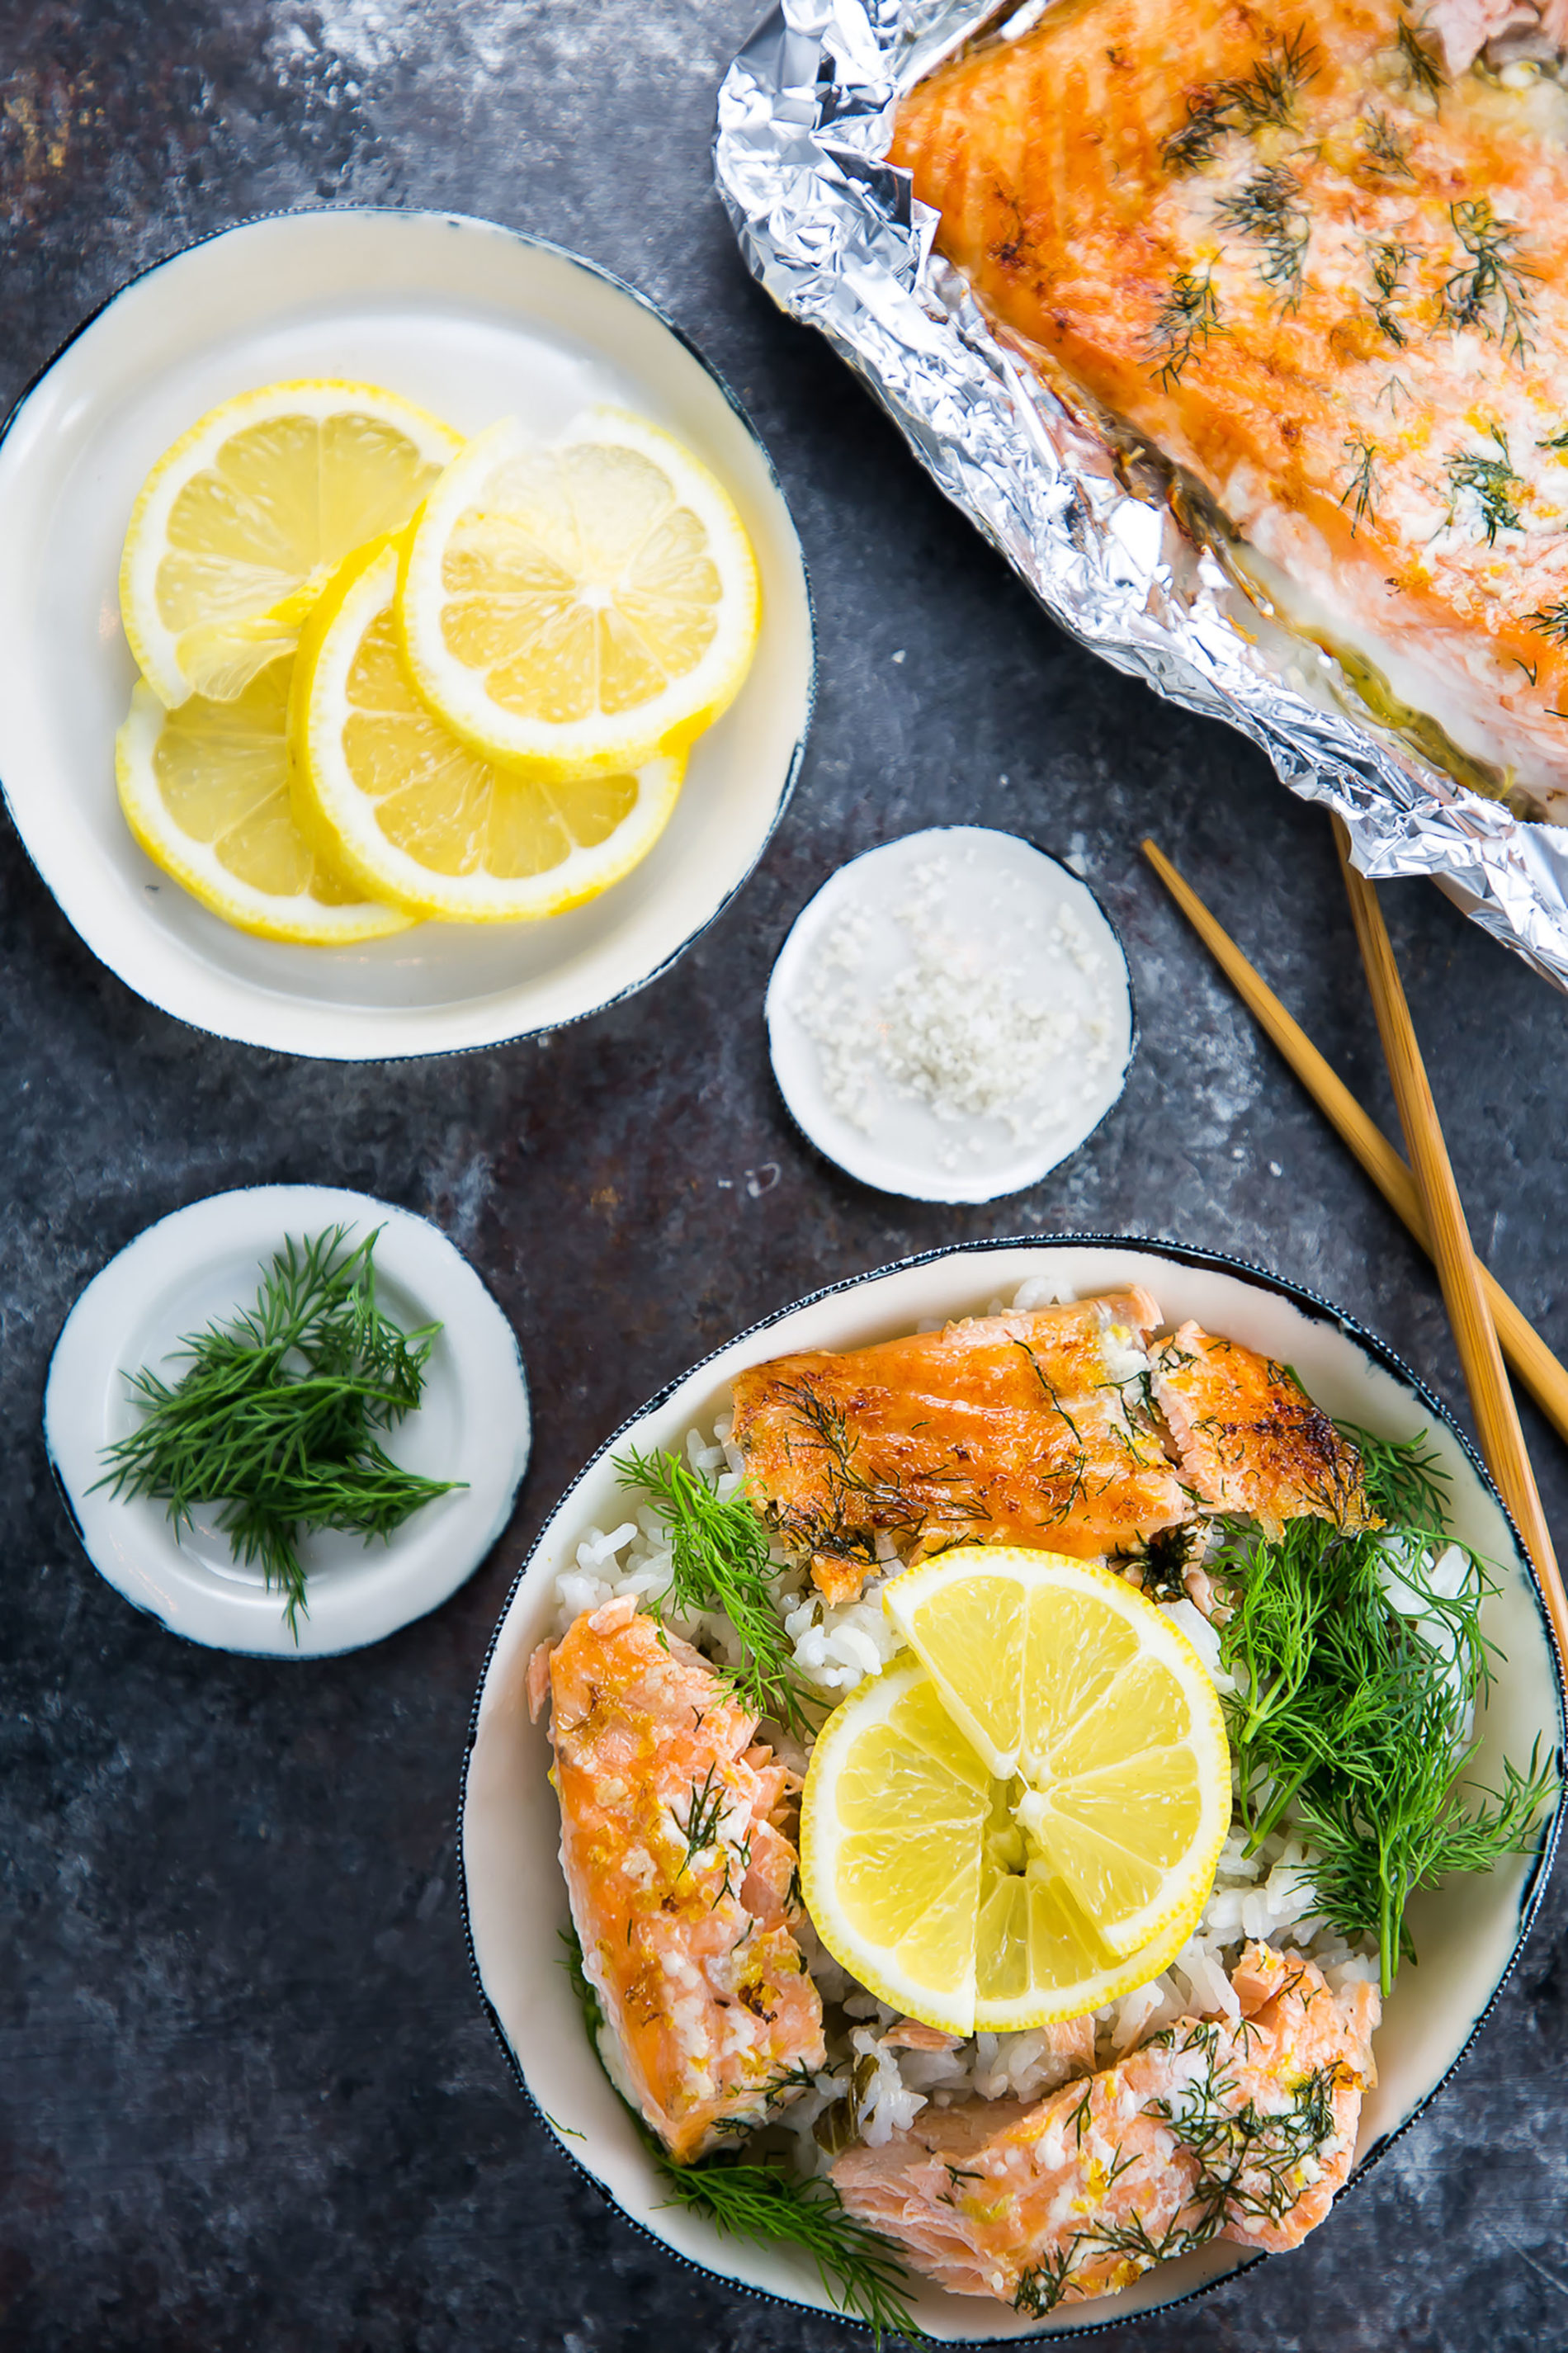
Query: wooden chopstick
[1544, 1375]
[1491, 1399]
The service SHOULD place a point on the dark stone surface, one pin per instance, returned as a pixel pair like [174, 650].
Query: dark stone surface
[248, 2097]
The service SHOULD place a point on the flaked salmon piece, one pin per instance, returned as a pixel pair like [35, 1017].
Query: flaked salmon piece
[1243, 2131]
[1250, 1438]
[913, 2034]
[1323, 273]
[1014, 1429]
[681, 1880]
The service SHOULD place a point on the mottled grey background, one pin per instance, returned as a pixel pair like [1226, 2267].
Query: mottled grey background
[247, 2098]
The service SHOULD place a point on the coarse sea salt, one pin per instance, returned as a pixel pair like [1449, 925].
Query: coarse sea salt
[951, 1015]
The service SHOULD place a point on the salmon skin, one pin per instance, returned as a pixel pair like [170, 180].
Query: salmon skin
[1326, 279]
[1240, 2130]
[1018, 1429]
[681, 1882]
[1251, 1440]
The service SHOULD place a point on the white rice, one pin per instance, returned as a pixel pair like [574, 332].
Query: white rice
[1266, 1896]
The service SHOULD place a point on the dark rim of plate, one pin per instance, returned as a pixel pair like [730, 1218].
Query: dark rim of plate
[1322, 1311]
[1134, 1031]
[618, 285]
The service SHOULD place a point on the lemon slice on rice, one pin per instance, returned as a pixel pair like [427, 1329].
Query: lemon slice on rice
[241, 522]
[395, 800]
[583, 604]
[1021, 1822]
[205, 792]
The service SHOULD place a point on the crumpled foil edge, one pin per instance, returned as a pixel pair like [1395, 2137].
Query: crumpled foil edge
[831, 232]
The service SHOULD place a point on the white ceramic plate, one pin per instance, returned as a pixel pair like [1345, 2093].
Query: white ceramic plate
[206, 1262]
[986, 903]
[475, 322]
[1467, 1934]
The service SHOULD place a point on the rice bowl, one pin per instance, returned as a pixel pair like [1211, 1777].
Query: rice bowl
[594, 1546]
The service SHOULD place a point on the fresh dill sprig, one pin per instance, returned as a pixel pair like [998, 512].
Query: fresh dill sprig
[1356, 1680]
[859, 2268]
[1555, 440]
[1491, 288]
[1361, 485]
[1188, 318]
[1267, 95]
[1491, 481]
[1268, 208]
[1405, 1482]
[1389, 262]
[1423, 69]
[1551, 622]
[1385, 149]
[760, 2202]
[275, 1417]
[719, 1561]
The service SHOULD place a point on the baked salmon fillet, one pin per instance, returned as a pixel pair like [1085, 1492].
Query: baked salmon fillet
[1016, 1428]
[1251, 1440]
[1320, 267]
[681, 1882]
[1241, 2129]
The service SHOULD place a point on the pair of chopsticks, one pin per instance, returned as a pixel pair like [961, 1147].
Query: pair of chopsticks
[1486, 1321]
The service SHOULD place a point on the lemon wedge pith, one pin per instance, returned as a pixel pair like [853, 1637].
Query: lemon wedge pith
[243, 518]
[583, 603]
[205, 789]
[395, 800]
[1021, 1822]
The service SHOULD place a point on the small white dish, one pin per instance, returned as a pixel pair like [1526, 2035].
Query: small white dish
[474, 323]
[952, 917]
[206, 1262]
[1467, 1932]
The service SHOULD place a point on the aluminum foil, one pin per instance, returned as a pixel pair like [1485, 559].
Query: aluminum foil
[833, 232]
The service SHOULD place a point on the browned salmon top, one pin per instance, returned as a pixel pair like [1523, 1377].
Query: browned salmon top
[1250, 1438]
[1007, 1429]
[1327, 279]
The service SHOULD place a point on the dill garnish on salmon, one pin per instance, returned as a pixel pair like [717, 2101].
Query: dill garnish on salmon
[1318, 264]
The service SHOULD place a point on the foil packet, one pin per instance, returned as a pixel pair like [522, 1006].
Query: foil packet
[1112, 550]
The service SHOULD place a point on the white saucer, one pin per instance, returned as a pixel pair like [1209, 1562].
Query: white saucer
[474, 323]
[206, 1262]
[984, 902]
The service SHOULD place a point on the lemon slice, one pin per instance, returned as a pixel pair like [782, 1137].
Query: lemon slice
[919, 1881]
[240, 524]
[398, 802]
[583, 603]
[205, 792]
[1066, 1681]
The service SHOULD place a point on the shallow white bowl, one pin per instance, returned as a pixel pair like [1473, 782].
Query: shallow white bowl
[474, 323]
[207, 1261]
[1468, 1933]
[1001, 893]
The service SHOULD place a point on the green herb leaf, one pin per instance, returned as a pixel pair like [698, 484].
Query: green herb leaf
[719, 1561]
[275, 1417]
[1357, 1678]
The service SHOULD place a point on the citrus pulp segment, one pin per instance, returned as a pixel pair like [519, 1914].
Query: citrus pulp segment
[921, 1883]
[582, 604]
[243, 520]
[1062, 1674]
[396, 800]
[205, 792]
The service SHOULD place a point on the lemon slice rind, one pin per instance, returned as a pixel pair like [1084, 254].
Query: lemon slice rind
[219, 653]
[471, 494]
[336, 809]
[301, 917]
